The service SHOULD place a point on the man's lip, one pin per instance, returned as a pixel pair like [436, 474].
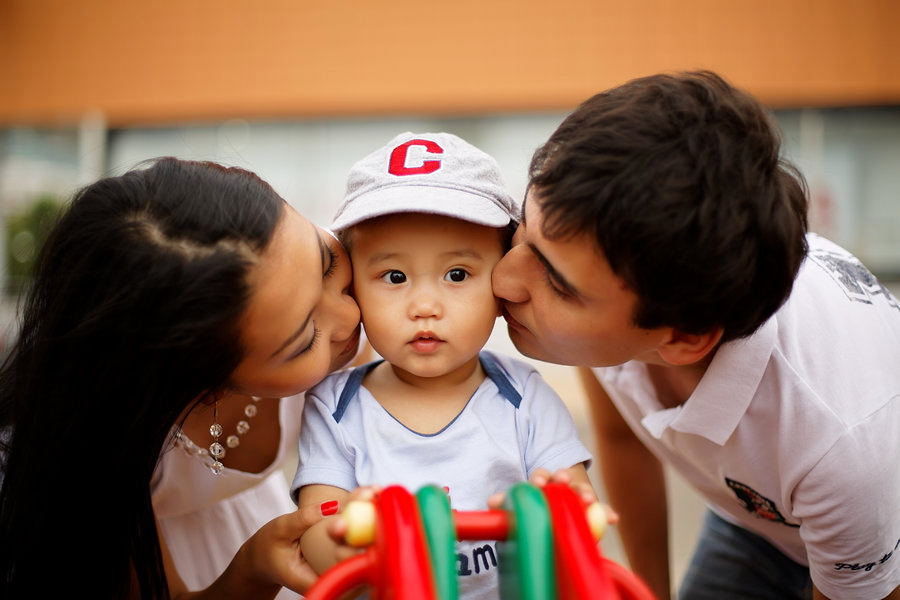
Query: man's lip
[511, 321]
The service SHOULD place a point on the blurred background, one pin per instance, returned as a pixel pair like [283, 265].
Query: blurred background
[298, 90]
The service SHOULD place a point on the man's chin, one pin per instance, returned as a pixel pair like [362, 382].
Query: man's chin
[524, 344]
[527, 346]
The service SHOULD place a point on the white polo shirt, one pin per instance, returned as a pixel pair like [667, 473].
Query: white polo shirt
[794, 432]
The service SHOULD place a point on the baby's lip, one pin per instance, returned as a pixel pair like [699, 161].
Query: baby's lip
[426, 335]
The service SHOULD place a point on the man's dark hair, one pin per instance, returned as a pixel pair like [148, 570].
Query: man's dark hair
[679, 181]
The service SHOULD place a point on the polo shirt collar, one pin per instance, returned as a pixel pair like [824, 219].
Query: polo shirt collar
[724, 393]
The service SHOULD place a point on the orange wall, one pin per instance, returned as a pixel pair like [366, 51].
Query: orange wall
[162, 61]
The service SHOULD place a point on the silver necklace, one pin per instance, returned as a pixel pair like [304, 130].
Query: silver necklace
[216, 449]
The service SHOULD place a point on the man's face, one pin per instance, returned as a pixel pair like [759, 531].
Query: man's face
[562, 302]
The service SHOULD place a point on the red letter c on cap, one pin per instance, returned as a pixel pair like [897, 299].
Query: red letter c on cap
[397, 165]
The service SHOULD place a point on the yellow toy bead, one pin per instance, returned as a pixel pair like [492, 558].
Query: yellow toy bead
[360, 519]
[596, 517]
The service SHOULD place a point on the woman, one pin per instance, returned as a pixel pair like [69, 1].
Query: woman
[176, 287]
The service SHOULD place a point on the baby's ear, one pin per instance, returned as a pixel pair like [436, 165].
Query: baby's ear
[688, 348]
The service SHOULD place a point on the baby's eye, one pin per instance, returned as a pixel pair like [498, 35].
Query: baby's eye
[394, 277]
[456, 275]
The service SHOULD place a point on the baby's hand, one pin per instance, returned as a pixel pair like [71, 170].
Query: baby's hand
[338, 528]
[585, 491]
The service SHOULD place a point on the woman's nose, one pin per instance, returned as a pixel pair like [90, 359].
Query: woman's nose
[345, 313]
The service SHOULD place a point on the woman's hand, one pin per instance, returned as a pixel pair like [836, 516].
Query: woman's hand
[268, 560]
[272, 555]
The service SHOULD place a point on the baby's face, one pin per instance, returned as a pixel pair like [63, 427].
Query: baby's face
[423, 284]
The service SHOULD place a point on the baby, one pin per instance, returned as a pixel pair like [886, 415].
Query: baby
[425, 219]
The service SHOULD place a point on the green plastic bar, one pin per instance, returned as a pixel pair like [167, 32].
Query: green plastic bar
[434, 506]
[526, 558]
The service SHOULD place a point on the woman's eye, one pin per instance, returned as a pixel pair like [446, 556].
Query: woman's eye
[456, 275]
[394, 277]
[332, 263]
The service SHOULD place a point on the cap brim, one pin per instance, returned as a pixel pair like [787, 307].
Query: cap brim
[450, 202]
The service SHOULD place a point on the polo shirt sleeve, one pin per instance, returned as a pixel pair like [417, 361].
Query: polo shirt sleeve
[849, 506]
[546, 429]
[324, 454]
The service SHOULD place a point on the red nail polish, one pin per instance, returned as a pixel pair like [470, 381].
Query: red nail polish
[329, 508]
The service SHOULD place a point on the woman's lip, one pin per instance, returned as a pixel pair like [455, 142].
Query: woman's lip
[352, 343]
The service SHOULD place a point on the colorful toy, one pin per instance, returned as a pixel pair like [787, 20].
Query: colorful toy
[548, 548]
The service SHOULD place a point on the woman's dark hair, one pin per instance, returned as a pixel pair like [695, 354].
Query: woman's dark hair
[679, 181]
[133, 315]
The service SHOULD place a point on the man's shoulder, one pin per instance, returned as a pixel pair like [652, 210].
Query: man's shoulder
[832, 270]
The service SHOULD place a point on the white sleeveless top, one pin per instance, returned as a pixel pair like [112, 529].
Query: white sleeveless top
[204, 518]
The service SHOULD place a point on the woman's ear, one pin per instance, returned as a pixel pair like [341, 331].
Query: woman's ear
[688, 348]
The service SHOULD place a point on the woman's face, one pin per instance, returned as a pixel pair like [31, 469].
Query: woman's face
[300, 324]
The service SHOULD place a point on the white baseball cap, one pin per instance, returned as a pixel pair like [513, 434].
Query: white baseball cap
[436, 173]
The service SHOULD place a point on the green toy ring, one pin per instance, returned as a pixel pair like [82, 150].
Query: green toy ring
[440, 533]
[527, 567]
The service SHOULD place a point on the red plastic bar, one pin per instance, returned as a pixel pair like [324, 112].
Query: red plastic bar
[404, 569]
[481, 525]
[629, 585]
[343, 577]
[579, 567]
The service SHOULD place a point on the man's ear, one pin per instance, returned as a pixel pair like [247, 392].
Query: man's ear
[688, 348]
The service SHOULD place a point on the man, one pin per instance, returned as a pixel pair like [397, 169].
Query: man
[664, 244]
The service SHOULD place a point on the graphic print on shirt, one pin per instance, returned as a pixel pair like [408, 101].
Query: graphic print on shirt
[756, 503]
[854, 278]
[474, 559]
[866, 566]
[483, 558]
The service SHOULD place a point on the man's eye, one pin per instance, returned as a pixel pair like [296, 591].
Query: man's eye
[456, 275]
[394, 277]
[556, 290]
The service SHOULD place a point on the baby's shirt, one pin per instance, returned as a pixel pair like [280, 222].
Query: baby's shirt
[513, 424]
